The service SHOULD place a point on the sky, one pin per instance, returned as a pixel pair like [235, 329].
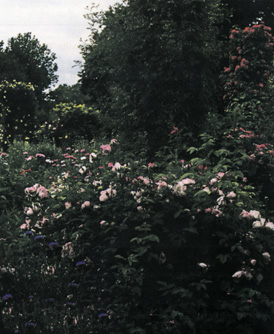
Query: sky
[60, 24]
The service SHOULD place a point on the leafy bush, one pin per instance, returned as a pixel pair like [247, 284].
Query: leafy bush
[130, 246]
[69, 122]
[18, 108]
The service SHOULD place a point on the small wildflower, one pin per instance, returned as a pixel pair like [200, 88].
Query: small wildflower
[7, 296]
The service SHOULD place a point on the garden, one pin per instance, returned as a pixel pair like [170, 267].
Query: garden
[117, 216]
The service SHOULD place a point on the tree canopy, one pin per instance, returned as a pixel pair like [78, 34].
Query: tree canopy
[26, 59]
[153, 65]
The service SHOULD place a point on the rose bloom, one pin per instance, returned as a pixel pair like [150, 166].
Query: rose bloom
[231, 195]
[86, 204]
[42, 192]
[31, 190]
[67, 205]
[106, 148]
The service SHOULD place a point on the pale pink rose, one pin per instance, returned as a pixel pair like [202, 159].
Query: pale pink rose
[23, 226]
[86, 204]
[254, 214]
[207, 190]
[238, 274]
[103, 197]
[42, 192]
[269, 225]
[144, 179]
[231, 195]
[31, 190]
[188, 181]
[212, 181]
[180, 188]
[102, 222]
[220, 175]
[221, 200]
[266, 256]
[28, 211]
[151, 164]
[258, 223]
[106, 194]
[216, 212]
[161, 184]
[106, 148]
[40, 155]
[253, 262]
[244, 214]
[67, 205]
[82, 169]
[117, 166]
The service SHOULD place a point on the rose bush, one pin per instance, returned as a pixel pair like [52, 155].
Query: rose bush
[121, 245]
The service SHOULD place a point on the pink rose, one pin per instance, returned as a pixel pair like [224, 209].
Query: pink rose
[106, 148]
[42, 192]
[86, 204]
[231, 195]
[67, 205]
[238, 274]
[266, 256]
[31, 190]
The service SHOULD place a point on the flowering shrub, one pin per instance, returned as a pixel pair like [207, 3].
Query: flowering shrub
[18, 111]
[98, 240]
[69, 122]
[126, 246]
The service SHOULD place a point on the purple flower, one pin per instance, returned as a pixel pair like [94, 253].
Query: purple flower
[16, 331]
[39, 237]
[54, 243]
[50, 300]
[28, 233]
[80, 263]
[70, 304]
[75, 285]
[30, 324]
[7, 296]
[102, 315]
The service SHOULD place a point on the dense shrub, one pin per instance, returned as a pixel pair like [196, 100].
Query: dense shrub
[129, 246]
[69, 122]
[18, 111]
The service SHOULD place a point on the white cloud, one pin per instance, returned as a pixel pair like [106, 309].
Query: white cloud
[58, 23]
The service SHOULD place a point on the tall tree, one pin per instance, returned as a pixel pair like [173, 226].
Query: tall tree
[26, 59]
[153, 65]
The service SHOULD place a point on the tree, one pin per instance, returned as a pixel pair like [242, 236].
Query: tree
[26, 59]
[18, 110]
[153, 65]
[245, 12]
[68, 94]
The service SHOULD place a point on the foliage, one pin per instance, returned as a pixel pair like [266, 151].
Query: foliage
[67, 94]
[69, 122]
[243, 13]
[26, 60]
[127, 246]
[150, 65]
[18, 107]
[96, 239]
[248, 85]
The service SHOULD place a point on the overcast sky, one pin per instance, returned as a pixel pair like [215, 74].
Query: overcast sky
[58, 23]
